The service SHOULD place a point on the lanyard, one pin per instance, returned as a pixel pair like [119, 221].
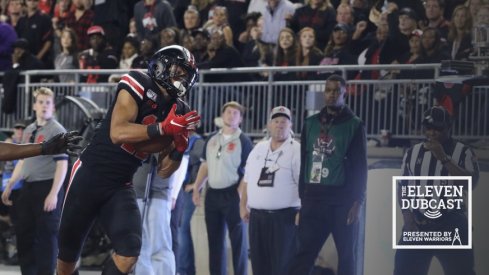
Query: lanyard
[276, 160]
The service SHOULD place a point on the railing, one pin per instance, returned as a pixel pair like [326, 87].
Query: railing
[395, 105]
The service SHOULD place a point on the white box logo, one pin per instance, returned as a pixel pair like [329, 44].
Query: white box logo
[441, 207]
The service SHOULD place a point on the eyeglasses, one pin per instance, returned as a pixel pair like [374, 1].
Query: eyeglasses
[211, 50]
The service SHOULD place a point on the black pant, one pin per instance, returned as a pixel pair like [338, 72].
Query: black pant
[272, 240]
[318, 220]
[221, 210]
[36, 229]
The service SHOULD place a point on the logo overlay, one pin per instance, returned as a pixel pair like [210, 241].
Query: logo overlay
[432, 212]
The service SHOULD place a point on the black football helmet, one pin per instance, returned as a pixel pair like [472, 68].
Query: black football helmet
[173, 67]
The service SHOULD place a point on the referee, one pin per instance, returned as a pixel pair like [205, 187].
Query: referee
[439, 155]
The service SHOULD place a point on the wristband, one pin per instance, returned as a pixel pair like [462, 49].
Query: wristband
[153, 130]
[175, 155]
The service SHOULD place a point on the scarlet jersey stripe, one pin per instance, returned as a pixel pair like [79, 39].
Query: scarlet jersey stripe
[134, 85]
[75, 168]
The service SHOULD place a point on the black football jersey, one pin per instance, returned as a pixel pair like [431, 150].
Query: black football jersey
[119, 162]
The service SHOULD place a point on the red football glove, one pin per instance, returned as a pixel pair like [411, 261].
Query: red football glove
[176, 125]
[181, 142]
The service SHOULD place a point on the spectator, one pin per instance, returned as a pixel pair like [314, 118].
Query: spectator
[221, 56]
[7, 38]
[401, 25]
[187, 41]
[99, 56]
[332, 181]
[256, 51]
[317, 14]
[147, 48]
[204, 7]
[191, 20]
[169, 36]
[201, 40]
[61, 10]
[376, 53]
[434, 10]
[186, 255]
[251, 21]
[15, 11]
[80, 20]
[275, 16]
[236, 10]
[285, 54]
[22, 60]
[270, 192]
[439, 155]
[113, 16]
[432, 50]
[152, 16]
[219, 22]
[308, 54]
[130, 50]
[37, 29]
[337, 51]
[460, 34]
[133, 32]
[68, 58]
[344, 14]
[39, 204]
[223, 163]
[482, 21]
[474, 6]
[414, 48]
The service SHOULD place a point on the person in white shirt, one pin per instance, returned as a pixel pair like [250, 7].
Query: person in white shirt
[270, 199]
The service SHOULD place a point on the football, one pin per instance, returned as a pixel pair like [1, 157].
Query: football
[154, 145]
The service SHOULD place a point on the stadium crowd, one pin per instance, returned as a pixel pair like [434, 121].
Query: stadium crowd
[70, 34]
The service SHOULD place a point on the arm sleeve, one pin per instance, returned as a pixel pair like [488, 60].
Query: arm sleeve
[471, 165]
[357, 153]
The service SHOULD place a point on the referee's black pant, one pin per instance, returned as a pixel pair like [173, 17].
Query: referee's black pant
[272, 240]
[36, 229]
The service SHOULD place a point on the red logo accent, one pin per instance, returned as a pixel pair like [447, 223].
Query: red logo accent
[231, 147]
[40, 138]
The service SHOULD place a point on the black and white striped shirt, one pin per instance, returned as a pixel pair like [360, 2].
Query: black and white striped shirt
[419, 161]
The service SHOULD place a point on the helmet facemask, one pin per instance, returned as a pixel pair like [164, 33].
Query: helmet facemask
[173, 73]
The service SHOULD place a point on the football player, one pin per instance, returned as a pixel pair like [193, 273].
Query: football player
[148, 105]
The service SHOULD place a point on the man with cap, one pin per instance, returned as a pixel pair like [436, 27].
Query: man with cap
[98, 56]
[332, 181]
[438, 155]
[270, 199]
[22, 58]
[401, 24]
